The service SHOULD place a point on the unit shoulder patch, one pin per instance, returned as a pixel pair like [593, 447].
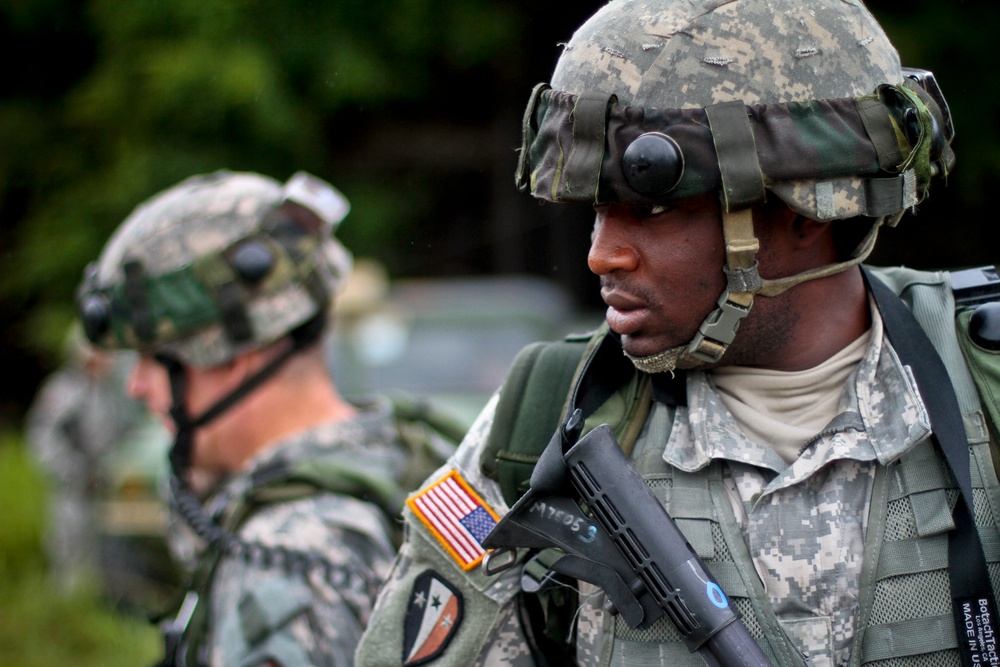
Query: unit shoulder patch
[457, 516]
[433, 615]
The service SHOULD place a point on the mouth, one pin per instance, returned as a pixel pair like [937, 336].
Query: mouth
[626, 314]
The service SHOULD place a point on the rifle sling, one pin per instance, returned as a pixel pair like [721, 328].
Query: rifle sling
[971, 590]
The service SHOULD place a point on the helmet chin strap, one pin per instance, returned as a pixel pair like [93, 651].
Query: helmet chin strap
[180, 452]
[719, 329]
[717, 332]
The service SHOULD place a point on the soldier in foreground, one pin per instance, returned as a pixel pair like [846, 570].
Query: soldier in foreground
[224, 284]
[741, 156]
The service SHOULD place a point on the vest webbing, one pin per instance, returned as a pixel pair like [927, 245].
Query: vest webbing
[969, 586]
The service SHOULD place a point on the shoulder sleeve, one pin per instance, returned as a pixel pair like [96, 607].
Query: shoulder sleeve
[265, 607]
[437, 603]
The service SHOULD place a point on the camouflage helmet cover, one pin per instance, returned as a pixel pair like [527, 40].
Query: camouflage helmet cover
[684, 54]
[217, 264]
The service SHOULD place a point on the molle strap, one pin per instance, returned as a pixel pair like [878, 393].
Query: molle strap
[583, 166]
[528, 137]
[229, 296]
[692, 510]
[885, 196]
[742, 178]
[138, 303]
[881, 130]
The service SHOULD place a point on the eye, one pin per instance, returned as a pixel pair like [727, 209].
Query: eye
[654, 210]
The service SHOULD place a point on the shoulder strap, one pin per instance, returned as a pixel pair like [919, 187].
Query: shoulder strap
[531, 403]
[971, 590]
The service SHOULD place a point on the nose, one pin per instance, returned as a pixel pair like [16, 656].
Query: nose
[610, 247]
[138, 382]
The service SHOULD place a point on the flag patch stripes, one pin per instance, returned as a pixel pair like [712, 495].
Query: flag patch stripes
[456, 516]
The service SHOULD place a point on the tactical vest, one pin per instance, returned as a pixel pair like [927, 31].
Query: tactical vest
[904, 617]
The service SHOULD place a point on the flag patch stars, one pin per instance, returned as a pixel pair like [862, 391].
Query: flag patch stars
[456, 516]
[433, 615]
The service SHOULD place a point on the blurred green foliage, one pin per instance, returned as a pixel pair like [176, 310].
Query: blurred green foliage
[167, 89]
[40, 627]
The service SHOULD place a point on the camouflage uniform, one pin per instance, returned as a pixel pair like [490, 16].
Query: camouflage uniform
[260, 612]
[76, 419]
[802, 529]
[289, 548]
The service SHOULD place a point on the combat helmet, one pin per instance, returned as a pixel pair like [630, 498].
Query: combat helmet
[657, 100]
[216, 265]
[211, 267]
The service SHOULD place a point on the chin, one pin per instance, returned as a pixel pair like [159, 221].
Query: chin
[644, 346]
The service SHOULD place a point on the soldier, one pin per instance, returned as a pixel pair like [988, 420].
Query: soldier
[80, 414]
[224, 285]
[740, 156]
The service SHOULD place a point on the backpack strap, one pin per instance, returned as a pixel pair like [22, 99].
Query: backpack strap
[527, 414]
[547, 378]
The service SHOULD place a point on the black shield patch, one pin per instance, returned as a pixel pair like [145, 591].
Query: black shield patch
[433, 615]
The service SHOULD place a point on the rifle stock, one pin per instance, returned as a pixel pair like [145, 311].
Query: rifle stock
[635, 553]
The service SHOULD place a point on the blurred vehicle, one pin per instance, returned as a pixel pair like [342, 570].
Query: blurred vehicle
[451, 339]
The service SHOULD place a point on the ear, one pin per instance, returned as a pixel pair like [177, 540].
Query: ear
[238, 369]
[806, 232]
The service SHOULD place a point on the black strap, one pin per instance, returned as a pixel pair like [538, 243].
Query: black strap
[590, 123]
[736, 148]
[138, 301]
[973, 601]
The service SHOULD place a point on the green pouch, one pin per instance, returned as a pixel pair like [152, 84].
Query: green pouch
[985, 368]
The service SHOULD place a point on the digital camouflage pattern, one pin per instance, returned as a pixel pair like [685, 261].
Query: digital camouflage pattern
[800, 526]
[184, 239]
[699, 52]
[260, 612]
[665, 55]
[815, 139]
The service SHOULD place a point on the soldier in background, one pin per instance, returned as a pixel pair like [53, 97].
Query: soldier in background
[225, 284]
[79, 415]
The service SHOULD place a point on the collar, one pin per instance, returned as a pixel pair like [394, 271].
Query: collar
[882, 416]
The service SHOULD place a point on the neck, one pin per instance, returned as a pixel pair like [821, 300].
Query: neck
[289, 405]
[804, 326]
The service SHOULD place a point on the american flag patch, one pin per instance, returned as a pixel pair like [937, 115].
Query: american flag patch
[457, 516]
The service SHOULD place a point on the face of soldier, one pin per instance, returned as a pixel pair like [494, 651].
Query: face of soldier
[661, 272]
[150, 383]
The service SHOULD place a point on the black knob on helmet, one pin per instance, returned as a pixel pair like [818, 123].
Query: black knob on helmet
[252, 261]
[653, 164]
[95, 315]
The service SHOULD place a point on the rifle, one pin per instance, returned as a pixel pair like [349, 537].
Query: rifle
[635, 553]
